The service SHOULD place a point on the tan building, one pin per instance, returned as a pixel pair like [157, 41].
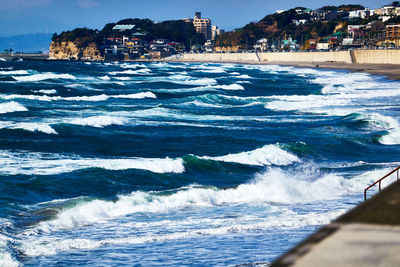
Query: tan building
[392, 31]
[392, 35]
[202, 25]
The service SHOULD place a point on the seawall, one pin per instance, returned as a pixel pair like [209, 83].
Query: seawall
[349, 57]
[367, 235]
[24, 56]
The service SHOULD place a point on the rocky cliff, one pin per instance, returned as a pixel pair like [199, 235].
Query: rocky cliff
[71, 51]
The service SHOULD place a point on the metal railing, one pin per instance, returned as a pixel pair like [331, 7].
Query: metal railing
[380, 180]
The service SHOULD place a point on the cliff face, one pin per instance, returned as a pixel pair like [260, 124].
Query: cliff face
[70, 50]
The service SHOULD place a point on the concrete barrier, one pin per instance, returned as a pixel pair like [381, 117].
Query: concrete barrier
[215, 57]
[336, 56]
[386, 56]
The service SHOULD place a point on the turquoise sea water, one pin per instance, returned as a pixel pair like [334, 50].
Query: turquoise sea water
[171, 164]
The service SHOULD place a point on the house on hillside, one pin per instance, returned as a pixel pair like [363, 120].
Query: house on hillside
[261, 45]
[123, 27]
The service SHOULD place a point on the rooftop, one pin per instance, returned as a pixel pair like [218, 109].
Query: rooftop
[123, 27]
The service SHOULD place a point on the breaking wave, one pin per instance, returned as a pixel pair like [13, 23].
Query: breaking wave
[144, 71]
[52, 246]
[267, 155]
[98, 121]
[272, 186]
[30, 163]
[11, 107]
[43, 76]
[102, 97]
[14, 72]
[387, 123]
[28, 126]
[47, 92]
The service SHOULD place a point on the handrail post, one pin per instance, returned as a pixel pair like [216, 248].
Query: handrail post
[380, 180]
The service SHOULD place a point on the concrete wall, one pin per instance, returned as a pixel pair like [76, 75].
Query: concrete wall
[386, 56]
[353, 56]
[337, 56]
[221, 57]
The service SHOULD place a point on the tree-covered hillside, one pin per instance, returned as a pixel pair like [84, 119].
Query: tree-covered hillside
[174, 30]
[300, 26]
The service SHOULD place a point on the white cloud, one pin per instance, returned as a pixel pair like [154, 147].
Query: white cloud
[87, 3]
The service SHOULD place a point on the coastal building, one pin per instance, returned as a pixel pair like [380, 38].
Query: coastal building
[323, 46]
[300, 10]
[261, 45]
[208, 46]
[392, 32]
[202, 26]
[122, 28]
[215, 31]
[359, 14]
[298, 22]
[384, 18]
[187, 20]
[289, 44]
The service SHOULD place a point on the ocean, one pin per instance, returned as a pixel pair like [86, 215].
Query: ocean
[183, 164]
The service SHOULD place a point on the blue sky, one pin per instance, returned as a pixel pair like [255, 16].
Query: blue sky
[40, 16]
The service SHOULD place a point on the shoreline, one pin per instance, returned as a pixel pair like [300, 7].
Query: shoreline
[389, 71]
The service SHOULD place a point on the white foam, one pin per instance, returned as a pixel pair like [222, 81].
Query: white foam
[213, 70]
[132, 66]
[179, 77]
[30, 163]
[47, 91]
[267, 155]
[11, 107]
[43, 76]
[230, 87]
[272, 186]
[101, 97]
[184, 79]
[387, 123]
[144, 71]
[105, 78]
[79, 86]
[169, 114]
[201, 104]
[122, 78]
[341, 94]
[6, 259]
[14, 72]
[307, 103]
[53, 246]
[99, 121]
[244, 82]
[137, 96]
[244, 76]
[30, 126]
[160, 65]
